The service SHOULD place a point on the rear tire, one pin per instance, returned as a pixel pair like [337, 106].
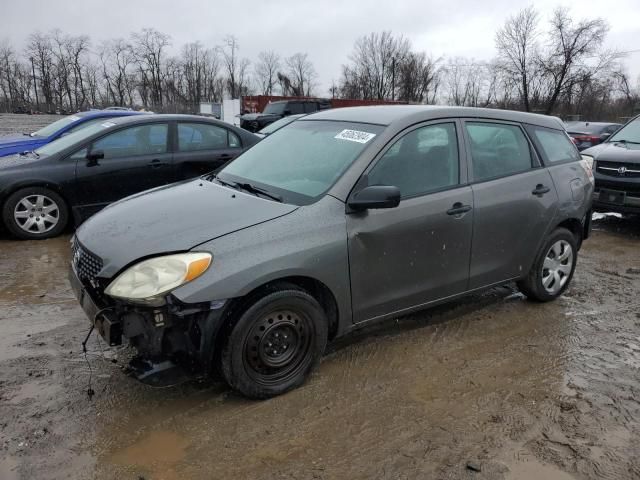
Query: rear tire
[275, 344]
[35, 213]
[553, 268]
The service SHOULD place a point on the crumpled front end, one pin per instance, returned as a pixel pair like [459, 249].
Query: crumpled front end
[170, 335]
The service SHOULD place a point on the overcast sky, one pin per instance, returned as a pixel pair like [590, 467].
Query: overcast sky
[325, 29]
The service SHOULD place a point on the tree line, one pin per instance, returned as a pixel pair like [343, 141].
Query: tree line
[555, 67]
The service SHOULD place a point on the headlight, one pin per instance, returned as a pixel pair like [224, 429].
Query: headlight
[588, 159]
[148, 280]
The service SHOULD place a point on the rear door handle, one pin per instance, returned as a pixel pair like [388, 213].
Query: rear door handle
[458, 209]
[155, 163]
[540, 190]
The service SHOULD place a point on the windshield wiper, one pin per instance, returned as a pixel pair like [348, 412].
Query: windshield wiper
[257, 190]
[625, 141]
[246, 186]
[30, 152]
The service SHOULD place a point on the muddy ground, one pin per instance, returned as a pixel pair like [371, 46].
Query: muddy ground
[493, 383]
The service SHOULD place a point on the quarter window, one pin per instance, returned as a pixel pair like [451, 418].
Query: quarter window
[497, 150]
[556, 145]
[193, 137]
[134, 141]
[424, 160]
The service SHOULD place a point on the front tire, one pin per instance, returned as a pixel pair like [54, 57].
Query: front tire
[275, 344]
[35, 213]
[553, 268]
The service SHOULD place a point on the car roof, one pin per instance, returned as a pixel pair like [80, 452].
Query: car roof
[167, 117]
[107, 113]
[409, 114]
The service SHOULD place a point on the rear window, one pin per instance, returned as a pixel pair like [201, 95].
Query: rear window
[556, 145]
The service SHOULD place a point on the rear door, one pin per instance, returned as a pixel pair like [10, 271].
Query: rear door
[136, 158]
[419, 251]
[203, 147]
[514, 201]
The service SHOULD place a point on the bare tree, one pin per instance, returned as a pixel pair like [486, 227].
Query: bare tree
[517, 48]
[371, 73]
[148, 49]
[301, 73]
[266, 71]
[571, 46]
[418, 78]
[236, 67]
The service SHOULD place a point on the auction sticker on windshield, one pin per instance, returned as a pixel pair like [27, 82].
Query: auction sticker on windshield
[108, 124]
[74, 118]
[355, 136]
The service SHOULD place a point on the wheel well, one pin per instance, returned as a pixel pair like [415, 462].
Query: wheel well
[313, 287]
[574, 226]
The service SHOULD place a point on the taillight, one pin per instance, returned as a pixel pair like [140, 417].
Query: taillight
[586, 138]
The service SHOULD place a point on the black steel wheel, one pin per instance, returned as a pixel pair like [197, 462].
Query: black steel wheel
[275, 344]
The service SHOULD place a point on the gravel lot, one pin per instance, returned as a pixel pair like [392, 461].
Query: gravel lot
[491, 387]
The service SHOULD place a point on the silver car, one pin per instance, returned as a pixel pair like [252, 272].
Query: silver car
[343, 218]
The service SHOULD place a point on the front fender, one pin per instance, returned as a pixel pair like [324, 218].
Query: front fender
[310, 242]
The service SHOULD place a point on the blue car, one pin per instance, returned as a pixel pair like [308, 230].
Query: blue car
[13, 144]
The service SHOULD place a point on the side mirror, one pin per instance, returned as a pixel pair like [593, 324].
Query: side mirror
[375, 196]
[93, 157]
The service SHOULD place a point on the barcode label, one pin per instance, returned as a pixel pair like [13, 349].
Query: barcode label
[355, 136]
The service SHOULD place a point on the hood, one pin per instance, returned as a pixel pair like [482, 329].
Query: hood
[172, 219]
[19, 143]
[614, 152]
[17, 160]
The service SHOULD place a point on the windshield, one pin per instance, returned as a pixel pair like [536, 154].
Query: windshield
[55, 126]
[301, 162]
[275, 108]
[68, 140]
[272, 127]
[630, 132]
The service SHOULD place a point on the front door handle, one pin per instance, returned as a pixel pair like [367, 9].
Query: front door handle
[458, 209]
[155, 163]
[540, 190]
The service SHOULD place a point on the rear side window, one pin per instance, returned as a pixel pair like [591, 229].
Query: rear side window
[310, 107]
[193, 137]
[497, 150]
[556, 145]
[295, 108]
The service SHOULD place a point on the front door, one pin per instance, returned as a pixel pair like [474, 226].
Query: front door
[136, 158]
[514, 202]
[419, 251]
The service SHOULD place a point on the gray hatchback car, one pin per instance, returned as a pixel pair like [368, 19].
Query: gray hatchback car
[343, 218]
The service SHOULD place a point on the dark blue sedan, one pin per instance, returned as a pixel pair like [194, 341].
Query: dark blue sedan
[13, 144]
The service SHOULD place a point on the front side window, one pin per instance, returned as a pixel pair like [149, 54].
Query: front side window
[555, 145]
[497, 150]
[71, 139]
[424, 160]
[193, 137]
[301, 162]
[134, 141]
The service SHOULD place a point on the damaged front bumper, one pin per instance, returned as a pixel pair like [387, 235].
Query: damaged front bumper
[175, 334]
